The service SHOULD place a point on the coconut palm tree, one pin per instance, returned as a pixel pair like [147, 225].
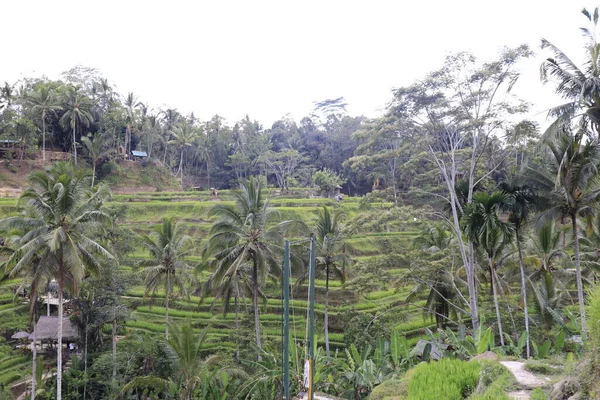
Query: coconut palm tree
[185, 349]
[44, 100]
[546, 242]
[61, 213]
[98, 147]
[521, 201]
[167, 267]
[77, 114]
[241, 236]
[579, 86]
[183, 135]
[131, 103]
[484, 227]
[571, 188]
[330, 255]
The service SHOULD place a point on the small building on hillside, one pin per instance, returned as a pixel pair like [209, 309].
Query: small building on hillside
[46, 329]
[139, 155]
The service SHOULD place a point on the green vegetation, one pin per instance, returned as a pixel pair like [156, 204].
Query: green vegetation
[454, 209]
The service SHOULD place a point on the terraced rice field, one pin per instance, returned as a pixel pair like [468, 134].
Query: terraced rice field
[145, 210]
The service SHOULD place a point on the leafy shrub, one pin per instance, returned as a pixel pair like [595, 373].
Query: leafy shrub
[494, 380]
[444, 379]
[593, 315]
[390, 390]
[538, 394]
[542, 368]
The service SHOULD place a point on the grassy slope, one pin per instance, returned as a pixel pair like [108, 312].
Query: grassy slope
[145, 209]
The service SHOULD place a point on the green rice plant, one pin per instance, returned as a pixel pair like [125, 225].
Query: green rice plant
[6, 364]
[10, 377]
[445, 379]
[174, 312]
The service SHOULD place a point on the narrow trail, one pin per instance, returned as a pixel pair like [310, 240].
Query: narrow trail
[526, 380]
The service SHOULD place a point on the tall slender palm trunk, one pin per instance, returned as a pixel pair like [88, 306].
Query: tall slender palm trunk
[496, 305]
[74, 144]
[523, 291]
[34, 351]
[579, 280]
[255, 305]
[325, 313]
[167, 292]
[59, 339]
[44, 135]
[114, 346]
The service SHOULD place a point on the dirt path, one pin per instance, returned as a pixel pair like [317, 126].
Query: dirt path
[526, 380]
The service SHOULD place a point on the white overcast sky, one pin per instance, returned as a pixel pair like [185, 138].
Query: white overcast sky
[270, 58]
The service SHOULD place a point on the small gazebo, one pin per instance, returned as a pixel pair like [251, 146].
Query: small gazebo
[46, 329]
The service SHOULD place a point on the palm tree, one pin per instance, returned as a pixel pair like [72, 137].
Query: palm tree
[61, 214]
[241, 236]
[330, 255]
[131, 103]
[97, 147]
[433, 239]
[572, 189]
[580, 87]
[167, 268]
[521, 201]
[185, 349]
[77, 114]
[183, 136]
[484, 228]
[546, 241]
[44, 100]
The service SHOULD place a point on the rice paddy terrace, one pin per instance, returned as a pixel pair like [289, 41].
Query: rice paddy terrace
[144, 210]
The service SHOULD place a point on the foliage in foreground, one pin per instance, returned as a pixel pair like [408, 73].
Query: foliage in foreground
[444, 379]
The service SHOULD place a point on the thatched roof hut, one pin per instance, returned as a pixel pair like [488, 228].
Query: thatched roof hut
[47, 329]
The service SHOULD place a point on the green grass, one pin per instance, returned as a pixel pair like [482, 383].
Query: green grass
[444, 379]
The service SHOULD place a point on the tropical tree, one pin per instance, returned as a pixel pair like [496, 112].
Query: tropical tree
[521, 201]
[167, 268]
[131, 103]
[579, 86]
[571, 189]
[98, 147]
[330, 255]
[484, 227]
[77, 114]
[183, 135]
[241, 236]
[61, 213]
[547, 251]
[44, 100]
[184, 349]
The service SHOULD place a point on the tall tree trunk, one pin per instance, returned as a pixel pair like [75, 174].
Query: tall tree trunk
[523, 291]
[237, 329]
[85, 357]
[114, 346]
[495, 296]
[579, 280]
[59, 346]
[44, 135]
[167, 292]
[255, 305]
[74, 145]
[93, 172]
[181, 168]
[34, 352]
[326, 316]
[208, 173]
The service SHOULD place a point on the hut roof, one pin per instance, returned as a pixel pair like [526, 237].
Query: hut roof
[139, 153]
[47, 329]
